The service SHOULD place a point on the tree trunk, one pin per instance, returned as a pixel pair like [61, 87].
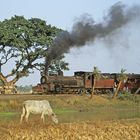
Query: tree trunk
[3, 78]
[8, 87]
[93, 88]
[118, 87]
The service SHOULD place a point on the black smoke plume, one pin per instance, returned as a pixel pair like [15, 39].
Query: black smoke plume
[86, 30]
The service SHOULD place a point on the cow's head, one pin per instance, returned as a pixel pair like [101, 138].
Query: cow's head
[54, 118]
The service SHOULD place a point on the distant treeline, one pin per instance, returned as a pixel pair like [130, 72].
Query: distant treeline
[26, 88]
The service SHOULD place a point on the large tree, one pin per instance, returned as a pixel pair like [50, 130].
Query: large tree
[25, 42]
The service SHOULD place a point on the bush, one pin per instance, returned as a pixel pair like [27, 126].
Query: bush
[129, 96]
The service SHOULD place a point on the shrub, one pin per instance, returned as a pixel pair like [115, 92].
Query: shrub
[129, 96]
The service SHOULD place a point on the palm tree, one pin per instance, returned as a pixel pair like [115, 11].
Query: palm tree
[96, 75]
[121, 78]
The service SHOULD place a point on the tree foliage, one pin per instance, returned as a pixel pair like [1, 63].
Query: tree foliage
[26, 41]
[96, 73]
[58, 65]
[122, 77]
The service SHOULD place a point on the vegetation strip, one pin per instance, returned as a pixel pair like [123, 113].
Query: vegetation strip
[8, 113]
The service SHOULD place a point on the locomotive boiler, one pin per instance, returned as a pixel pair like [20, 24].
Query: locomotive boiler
[59, 84]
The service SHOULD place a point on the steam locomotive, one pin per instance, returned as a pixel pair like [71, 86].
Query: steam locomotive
[83, 82]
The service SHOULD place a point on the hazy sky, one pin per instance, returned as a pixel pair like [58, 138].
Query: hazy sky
[62, 14]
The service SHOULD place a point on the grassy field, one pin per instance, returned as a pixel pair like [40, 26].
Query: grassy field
[79, 117]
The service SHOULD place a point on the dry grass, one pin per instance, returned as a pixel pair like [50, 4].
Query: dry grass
[14, 103]
[95, 130]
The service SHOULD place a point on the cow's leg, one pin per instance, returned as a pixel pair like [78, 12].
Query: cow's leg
[27, 116]
[23, 114]
[42, 117]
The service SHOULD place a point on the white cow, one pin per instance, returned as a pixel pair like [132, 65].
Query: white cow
[37, 107]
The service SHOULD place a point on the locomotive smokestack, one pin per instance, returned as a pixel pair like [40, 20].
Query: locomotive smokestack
[85, 30]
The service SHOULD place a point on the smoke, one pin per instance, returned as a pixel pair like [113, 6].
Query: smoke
[85, 30]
